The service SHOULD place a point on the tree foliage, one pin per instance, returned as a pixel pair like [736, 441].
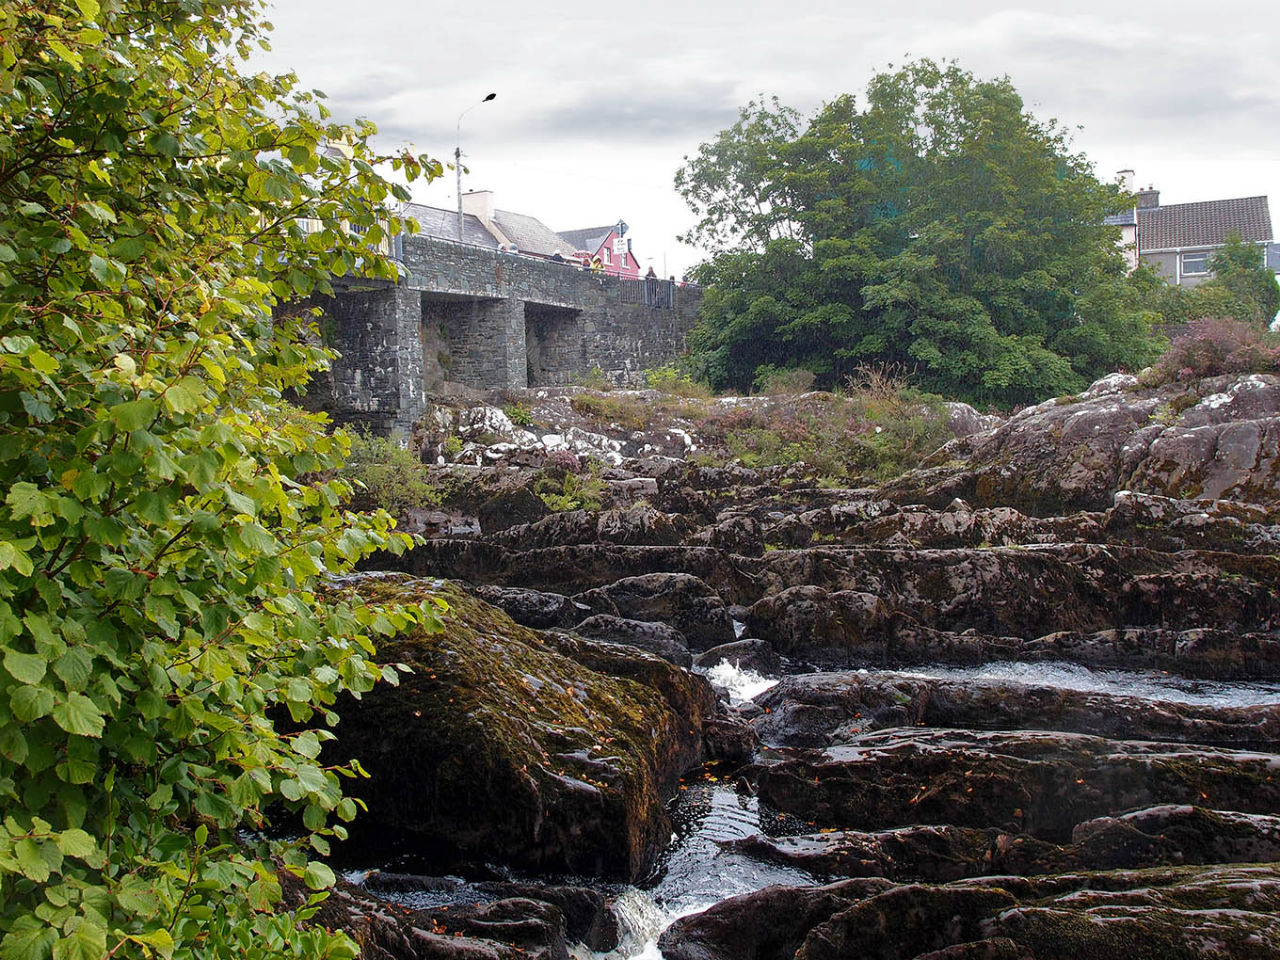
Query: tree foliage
[941, 226]
[1243, 287]
[162, 536]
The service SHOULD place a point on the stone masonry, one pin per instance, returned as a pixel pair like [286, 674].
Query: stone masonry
[465, 318]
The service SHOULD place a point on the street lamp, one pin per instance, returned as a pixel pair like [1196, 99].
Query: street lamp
[457, 157]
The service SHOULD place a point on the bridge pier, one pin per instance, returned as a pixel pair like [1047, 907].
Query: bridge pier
[472, 318]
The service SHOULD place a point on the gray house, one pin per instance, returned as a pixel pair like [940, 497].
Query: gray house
[1179, 239]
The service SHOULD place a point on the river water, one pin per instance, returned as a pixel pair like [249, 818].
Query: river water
[697, 872]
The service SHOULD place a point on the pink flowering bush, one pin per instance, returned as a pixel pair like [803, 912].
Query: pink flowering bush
[1215, 346]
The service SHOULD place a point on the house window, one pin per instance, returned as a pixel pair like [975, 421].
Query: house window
[1195, 262]
[608, 256]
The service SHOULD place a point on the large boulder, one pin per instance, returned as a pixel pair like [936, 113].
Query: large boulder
[816, 624]
[1002, 591]
[1218, 438]
[656, 638]
[1155, 836]
[677, 599]
[507, 745]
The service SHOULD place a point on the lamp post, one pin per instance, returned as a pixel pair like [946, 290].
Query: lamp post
[457, 157]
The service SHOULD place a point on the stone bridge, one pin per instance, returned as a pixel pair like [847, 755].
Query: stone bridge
[466, 319]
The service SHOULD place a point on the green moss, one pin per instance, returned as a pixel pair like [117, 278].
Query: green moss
[499, 737]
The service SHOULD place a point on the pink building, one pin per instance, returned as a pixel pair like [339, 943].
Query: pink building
[615, 257]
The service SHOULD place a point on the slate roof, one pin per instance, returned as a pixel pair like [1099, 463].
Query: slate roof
[435, 222]
[588, 238]
[1204, 224]
[531, 235]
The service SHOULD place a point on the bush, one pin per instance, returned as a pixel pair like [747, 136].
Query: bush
[392, 477]
[879, 428]
[672, 380]
[1213, 347]
[628, 412]
[563, 489]
[782, 382]
[519, 414]
[593, 379]
[164, 530]
[557, 463]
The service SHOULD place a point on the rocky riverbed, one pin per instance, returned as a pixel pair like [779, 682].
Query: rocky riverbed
[1028, 703]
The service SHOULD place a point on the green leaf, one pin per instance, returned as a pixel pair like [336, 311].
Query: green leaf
[74, 668]
[77, 843]
[87, 941]
[29, 939]
[24, 667]
[30, 860]
[133, 415]
[11, 558]
[318, 876]
[107, 272]
[30, 703]
[61, 49]
[43, 362]
[240, 503]
[159, 940]
[79, 715]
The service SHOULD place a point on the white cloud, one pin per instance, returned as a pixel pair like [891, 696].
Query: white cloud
[596, 106]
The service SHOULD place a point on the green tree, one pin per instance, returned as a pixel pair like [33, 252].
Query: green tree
[1242, 283]
[941, 226]
[162, 534]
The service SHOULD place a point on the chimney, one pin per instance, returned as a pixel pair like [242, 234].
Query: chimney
[1125, 179]
[1148, 199]
[479, 204]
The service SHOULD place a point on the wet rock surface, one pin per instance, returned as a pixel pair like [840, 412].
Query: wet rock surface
[971, 815]
[816, 710]
[1220, 912]
[538, 749]
[1030, 782]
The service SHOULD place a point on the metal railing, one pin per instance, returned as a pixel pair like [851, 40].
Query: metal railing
[650, 291]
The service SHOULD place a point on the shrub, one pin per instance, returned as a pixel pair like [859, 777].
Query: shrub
[628, 412]
[1213, 347]
[519, 414]
[593, 379]
[165, 525]
[880, 427]
[783, 381]
[570, 489]
[670, 379]
[392, 477]
[557, 463]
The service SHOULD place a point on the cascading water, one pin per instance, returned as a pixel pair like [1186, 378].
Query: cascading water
[699, 872]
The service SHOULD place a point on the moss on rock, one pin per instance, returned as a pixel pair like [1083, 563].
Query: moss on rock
[500, 747]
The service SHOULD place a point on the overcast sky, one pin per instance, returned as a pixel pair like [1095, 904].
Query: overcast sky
[597, 104]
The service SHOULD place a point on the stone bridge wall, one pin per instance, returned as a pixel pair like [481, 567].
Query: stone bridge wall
[471, 318]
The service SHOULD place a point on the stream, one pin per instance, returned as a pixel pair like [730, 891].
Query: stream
[698, 872]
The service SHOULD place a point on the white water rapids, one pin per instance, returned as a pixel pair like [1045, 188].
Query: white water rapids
[698, 873]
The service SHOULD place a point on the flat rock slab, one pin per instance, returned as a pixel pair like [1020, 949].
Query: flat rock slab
[1041, 784]
[1164, 835]
[1223, 913]
[818, 709]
